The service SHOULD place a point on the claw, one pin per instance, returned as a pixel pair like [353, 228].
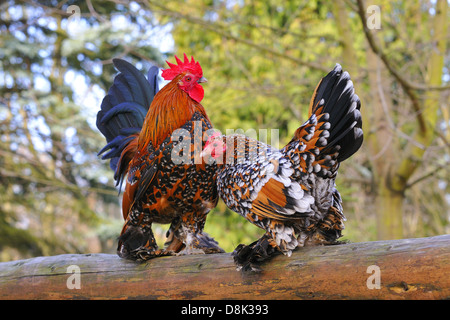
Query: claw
[249, 258]
[144, 254]
[200, 243]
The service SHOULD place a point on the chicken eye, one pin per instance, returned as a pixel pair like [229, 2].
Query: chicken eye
[188, 78]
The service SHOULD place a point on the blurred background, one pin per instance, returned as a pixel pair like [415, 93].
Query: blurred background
[263, 60]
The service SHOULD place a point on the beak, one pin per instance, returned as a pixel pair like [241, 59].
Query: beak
[202, 79]
[206, 151]
[203, 153]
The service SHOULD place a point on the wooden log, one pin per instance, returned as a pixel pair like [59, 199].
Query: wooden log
[406, 269]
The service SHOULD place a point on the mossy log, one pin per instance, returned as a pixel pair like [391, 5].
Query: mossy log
[394, 269]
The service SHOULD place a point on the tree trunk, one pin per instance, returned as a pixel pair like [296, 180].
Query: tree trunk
[393, 164]
[397, 269]
[382, 143]
[389, 206]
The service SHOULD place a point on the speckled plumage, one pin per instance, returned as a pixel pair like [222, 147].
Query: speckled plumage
[180, 194]
[147, 129]
[291, 192]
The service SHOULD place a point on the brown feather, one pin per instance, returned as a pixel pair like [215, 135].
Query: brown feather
[311, 103]
[271, 193]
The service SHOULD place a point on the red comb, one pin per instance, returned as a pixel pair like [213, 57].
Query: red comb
[182, 66]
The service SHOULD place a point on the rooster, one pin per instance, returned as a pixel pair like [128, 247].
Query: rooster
[290, 193]
[139, 122]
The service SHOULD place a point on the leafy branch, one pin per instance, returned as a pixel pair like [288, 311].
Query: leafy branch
[220, 28]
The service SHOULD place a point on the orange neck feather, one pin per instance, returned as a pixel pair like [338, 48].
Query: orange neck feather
[171, 108]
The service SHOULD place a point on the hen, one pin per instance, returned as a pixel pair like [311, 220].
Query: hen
[147, 132]
[291, 192]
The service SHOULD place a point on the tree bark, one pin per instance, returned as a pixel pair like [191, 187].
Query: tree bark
[389, 210]
[407, 269]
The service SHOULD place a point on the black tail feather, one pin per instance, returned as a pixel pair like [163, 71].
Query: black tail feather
[124, 108]
[343, 107]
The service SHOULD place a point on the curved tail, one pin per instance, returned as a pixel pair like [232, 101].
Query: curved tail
[333, 131]
[335, 96]
[122, 114]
